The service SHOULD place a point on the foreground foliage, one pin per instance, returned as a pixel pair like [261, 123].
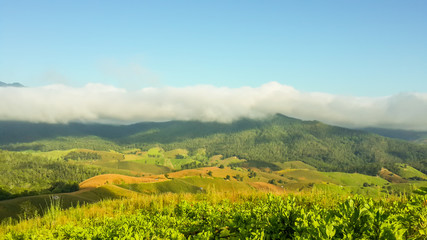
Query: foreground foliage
[249, 217]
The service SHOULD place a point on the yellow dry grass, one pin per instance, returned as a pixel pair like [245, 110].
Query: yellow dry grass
[104, 179]
[132, 157]
[266, 187]
[216, 172]
[216, 157]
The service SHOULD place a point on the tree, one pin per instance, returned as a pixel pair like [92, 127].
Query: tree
[238, 177]
[251, 174]
[4, 194]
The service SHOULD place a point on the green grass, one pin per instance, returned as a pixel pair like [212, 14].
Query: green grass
[306, 176]
[28, 205]
[294, 165]
[150, 160]
[172, 153]
[167, 162]
[408, 172]
[56, 154]
[132, 167]
[354, 179]
[407, 187]
[348, 190]
[106, 156]
[157, 151]
[172, 186]
[189, 185]
[19, 207]
[177, 163]
[218, 184]
[265, 177]
[226, 162]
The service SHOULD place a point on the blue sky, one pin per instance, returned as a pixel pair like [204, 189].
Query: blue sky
[356, 48]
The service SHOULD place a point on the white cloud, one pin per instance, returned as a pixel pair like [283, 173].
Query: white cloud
[103, 103]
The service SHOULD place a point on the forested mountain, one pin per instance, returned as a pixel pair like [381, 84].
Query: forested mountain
[20, 132]
[274, 139]
[416, 136]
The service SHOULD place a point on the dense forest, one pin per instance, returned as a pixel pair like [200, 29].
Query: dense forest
[275, 139]
[23, 174]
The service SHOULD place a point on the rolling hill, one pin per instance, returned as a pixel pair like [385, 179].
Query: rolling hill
[274, 139]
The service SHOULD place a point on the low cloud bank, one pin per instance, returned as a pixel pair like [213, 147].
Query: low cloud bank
[107, 104]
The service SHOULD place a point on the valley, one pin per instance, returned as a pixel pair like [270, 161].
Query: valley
[280, 156]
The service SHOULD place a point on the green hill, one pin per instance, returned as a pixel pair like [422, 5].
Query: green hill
[274, 139]
[189, 185]
[409, 172]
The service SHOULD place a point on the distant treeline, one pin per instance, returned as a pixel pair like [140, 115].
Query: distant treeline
[82, 156]
[56, 187]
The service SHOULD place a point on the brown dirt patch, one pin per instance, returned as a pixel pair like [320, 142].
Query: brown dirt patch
[391, 177]
[104, 179]
[216, 172]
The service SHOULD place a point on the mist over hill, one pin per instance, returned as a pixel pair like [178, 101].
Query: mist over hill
[273, 139]
[99, 103]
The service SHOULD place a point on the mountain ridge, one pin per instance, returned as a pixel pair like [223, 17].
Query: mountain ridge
[277, 138]
[409, 135]
[15, 84]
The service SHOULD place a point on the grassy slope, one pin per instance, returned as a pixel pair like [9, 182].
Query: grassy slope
[115, 162]
[211, 179]
[294, 165]
[407, 172]
[18, 206]
[190, 185]
[217, 161]
[354, 179]
[116, 179]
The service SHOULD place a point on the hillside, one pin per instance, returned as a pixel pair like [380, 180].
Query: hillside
[415, 136]
[275, 139]
[297, 178]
